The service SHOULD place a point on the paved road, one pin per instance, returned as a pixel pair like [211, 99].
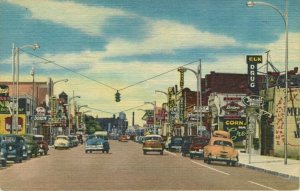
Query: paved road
[126, 168]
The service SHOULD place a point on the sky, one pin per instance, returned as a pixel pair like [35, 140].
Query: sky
[102, 46]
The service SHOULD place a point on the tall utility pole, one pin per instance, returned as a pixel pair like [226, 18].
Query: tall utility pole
[33, 98]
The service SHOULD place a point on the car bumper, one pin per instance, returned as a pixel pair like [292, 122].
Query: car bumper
[225, 159]
[152, 149]
[175, 147]
[197, 153]
[95, 148]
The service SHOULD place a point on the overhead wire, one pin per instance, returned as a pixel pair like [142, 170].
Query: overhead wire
[68, 69]
[87, 77]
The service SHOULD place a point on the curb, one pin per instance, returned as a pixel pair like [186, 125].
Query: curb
[288, 176]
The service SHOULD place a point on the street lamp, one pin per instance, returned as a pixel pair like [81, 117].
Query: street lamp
[77, 117]
[63, 80]
[154, 114]
[199, 92]
[69, 112]
[284, 16]
[15, 71]
[158, 91]
[32, 100]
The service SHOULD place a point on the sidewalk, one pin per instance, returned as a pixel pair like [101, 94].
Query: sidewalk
[273, 165]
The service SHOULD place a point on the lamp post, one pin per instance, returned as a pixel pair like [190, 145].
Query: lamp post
[15, 71]
[284, 16]
[63, 80]
[199, 92]
[32, 100]
[69, 112]
[165, 93]
[154, 114]
[77, 117]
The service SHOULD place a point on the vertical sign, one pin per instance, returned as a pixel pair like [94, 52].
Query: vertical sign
[53, 107]
[252, 61]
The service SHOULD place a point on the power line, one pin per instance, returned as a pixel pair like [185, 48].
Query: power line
[53, 62]
[156, 76]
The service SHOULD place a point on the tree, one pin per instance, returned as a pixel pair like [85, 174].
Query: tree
[92, 125]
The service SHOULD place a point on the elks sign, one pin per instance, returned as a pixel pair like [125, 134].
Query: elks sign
[252, 61]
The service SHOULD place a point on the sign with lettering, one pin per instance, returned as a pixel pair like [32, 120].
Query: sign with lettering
[39, 117]
[253, 101]
[252, 61]
[237, 128]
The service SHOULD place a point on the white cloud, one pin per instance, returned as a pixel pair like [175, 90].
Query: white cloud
[166, 36]
[277, 51]
[87, 19]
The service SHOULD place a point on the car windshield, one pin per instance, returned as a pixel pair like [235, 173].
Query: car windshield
[223, 143]
[94, 141]
[62, 138]
[9, 139]
[200, 141]
[152, 138]
[102, 137]
[38, 138]
[27, 138]
[177, 140]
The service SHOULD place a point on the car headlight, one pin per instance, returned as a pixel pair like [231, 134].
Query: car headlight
[10, 147]
[24, 147]
[41, 145]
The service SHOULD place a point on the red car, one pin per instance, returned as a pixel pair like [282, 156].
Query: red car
[197, 146]
[43, 145]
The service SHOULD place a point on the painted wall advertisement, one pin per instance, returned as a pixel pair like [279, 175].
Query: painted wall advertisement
[237, 128]
[5, 124]
[293, 122]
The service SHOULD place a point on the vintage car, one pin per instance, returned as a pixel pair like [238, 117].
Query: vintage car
[175, 144]
[123, 138]
[94, 143]
[185, 148]
[197, 145]
[221, 148]
[62, 142]
[33, 147]
[153, 143]
[43, 145]
[3, 152]
[73, 140]
[14, 146]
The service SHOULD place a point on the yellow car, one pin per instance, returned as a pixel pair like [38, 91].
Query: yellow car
[153, 143]
[221, 148]
[62, 142]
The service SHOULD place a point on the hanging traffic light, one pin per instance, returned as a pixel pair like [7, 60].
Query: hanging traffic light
[118, 97]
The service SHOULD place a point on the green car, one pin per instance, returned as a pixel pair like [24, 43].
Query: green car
[33, 147]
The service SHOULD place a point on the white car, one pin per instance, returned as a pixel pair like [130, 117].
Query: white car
[62, 142]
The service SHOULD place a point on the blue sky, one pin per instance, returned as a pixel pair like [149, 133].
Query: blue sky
[120, 42]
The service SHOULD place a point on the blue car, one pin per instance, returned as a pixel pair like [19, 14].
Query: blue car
[15, 146]
[3, 152]
[96, 144]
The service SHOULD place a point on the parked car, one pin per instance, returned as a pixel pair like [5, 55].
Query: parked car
[73, 140]
[62, 142]
[153, 143]
[14, 147]
[185, 148]
[3, 152]
[33, 147]
[197, 146]
[221, 148]
[175, 144]
[123, 138]
[96, 144]
[43, 145]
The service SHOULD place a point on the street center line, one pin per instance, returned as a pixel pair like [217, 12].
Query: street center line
[210, 168]
[262, 185]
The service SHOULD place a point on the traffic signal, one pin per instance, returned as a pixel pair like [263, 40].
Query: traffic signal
[118, 97]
